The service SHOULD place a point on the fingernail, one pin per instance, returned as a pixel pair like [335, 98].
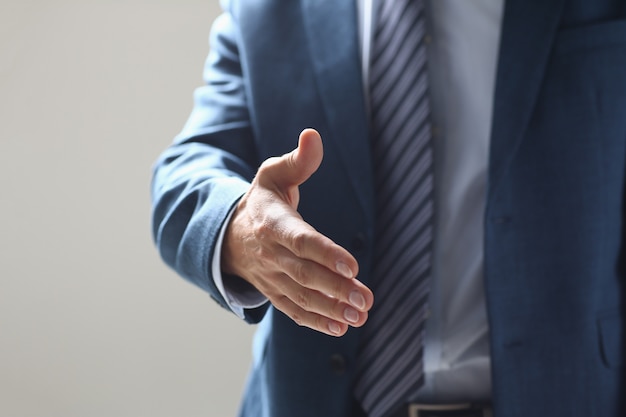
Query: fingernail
[351, 315]
[344, 270]
[357, 300]
[334, 327]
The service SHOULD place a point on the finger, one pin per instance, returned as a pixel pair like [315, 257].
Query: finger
[313, 276]
[295, 167]
[304, 242]
[316, 302]
[307, 157]
[310, 308]
[308, 319]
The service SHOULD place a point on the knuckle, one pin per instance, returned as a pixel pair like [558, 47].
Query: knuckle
[303, 299]
[298, 240]
[337, 288]
[265, 228]
[298, 319]
[320, 322]
[301, 274]
[281, 302]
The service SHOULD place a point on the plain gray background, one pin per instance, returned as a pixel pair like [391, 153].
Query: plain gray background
[91, 322]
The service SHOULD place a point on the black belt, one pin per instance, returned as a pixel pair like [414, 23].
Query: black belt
[451, 410]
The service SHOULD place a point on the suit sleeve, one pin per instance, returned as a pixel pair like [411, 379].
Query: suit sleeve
[209, 166]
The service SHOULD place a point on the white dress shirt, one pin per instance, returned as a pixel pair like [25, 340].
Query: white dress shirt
[463, 40]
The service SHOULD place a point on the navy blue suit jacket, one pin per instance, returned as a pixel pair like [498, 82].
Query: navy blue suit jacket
[554, 238]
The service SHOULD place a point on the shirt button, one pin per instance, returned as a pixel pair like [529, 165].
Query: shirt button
[435, 131]
[427, 39]
[338, 364]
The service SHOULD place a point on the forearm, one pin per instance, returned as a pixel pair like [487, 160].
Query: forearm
[202, 175]
[192, 196]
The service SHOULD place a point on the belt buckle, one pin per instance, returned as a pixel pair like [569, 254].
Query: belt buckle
[415, 410]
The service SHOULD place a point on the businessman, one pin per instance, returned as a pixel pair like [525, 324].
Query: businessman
[448, 241]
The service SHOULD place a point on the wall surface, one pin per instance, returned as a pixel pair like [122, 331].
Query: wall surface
[91, 322]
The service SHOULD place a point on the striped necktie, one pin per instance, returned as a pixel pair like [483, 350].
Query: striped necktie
[389, 365]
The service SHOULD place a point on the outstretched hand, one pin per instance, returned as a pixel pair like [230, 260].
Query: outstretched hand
[303, 273]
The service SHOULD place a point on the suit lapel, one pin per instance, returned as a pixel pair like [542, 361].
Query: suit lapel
[332, 33]
[528, 31]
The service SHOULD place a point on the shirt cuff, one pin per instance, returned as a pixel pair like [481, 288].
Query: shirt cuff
[238, 297]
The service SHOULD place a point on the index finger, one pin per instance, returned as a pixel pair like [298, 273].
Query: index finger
[305, 242]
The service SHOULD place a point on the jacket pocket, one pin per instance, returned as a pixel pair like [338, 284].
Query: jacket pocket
[611, 333]
[608, 34]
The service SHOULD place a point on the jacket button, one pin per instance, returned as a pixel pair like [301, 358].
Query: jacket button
[338, 364]
[358, 242]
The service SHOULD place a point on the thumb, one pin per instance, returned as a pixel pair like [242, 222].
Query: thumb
[298, 165]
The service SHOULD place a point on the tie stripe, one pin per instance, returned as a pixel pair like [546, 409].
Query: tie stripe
[389, 366]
